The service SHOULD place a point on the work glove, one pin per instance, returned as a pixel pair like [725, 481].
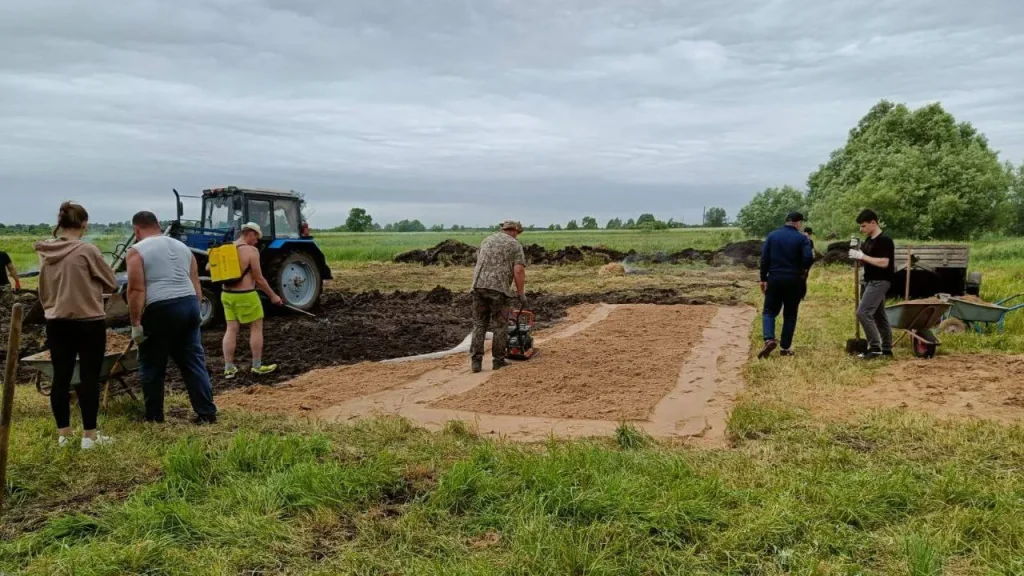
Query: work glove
[138, 335]
[856, 254]
[522, 301]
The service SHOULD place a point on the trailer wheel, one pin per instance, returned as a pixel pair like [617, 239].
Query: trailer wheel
[953, 326]
[973, 286]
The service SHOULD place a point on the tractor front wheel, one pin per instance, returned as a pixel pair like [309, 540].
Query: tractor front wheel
[296, 279]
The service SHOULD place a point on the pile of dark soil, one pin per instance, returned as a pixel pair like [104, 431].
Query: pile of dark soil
[837, 253]
[455, 253]
[33, 337]
[447, 253]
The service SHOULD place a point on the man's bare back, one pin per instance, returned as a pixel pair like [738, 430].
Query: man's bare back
[249, 264]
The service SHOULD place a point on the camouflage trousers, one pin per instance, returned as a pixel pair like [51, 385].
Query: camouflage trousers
[490, 310]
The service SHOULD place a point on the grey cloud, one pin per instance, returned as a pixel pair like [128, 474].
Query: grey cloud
[430, 109]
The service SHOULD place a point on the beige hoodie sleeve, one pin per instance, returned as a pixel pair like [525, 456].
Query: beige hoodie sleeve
[101, 270]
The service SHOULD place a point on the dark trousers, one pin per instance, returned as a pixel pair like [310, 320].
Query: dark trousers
[172, 330]
[84, 341]
[871, 315]
[490, 309]
[783, 295]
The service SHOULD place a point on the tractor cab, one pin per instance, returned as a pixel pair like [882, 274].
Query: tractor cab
[225, 210]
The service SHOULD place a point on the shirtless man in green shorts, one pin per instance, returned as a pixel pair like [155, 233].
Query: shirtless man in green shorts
[242, 304]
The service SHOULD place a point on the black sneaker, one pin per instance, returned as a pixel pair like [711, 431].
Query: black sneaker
[870, 355]
[498, 365]
[478, 365]
[786, 352]
[201, 419]
[769, 345]
[887, 353]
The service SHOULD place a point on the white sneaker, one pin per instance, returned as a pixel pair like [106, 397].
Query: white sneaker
[63, 441]
[89, 443]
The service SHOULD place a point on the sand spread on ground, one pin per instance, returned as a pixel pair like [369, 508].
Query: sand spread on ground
[116, 343]
[325, 387]
[617, 369]
[985, 386]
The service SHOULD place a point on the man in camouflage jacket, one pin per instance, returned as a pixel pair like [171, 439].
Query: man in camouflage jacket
[500, 263]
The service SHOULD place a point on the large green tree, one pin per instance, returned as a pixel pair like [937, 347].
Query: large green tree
[715, 217]
[589, 223]
[1016, 198]
[926, 175]
[358, 221]
[767, 210]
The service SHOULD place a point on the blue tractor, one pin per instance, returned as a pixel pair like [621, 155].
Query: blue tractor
[291, 261]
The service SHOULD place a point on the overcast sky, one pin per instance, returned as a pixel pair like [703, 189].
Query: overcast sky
[470, 111]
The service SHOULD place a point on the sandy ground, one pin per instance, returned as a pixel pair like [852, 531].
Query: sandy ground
[982, 386]
[692, 399]
[324, 387]
[618, 370]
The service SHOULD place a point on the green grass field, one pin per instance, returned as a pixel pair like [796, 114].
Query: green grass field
[885, 492]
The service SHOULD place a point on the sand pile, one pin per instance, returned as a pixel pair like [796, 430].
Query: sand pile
[617, 369]
[985, 386]
[613, 269]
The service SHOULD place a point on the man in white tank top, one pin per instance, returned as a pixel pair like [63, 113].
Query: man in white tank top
[163, 301]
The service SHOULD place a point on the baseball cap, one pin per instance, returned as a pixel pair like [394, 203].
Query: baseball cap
[794, 217]
[511, 225]
[254, 227]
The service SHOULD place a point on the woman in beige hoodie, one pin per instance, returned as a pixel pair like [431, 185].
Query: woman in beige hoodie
[72, 279]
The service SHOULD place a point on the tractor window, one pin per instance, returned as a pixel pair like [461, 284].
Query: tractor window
[259, 212]
[286, 219]
[221, 212]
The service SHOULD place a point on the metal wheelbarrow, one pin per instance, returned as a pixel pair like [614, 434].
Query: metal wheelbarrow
[116, 365]
[966, 314]
[917, 320]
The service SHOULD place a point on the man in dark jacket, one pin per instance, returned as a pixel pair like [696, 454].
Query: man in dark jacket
[786, 256]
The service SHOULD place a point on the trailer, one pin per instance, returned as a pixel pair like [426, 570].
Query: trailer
[933, 269]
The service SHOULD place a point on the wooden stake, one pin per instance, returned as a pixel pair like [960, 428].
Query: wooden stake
[856, 295]
[7, 406]
[910, 262]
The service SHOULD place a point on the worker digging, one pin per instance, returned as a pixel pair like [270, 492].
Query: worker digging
[237, 267]
[500, 263]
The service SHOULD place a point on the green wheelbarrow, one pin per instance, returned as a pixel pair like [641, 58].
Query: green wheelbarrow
[964, 314]
[917, 320]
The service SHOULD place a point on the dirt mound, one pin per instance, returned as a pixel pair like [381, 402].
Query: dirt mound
[447, 253]
[746, 253]
[837, 253]
[613, 269]
[984, 386]
[536, 254]
[454, 253]
[33, 336]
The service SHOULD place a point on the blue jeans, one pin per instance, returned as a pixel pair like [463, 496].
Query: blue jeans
[172, 330]
[783, 295]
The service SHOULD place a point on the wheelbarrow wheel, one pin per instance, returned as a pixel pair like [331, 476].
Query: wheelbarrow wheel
[924, 346]
[953, 326]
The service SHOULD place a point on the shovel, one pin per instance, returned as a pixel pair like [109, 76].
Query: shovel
[856, 345]
[310, 314]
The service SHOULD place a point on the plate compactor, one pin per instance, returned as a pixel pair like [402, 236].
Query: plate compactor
[520, 340]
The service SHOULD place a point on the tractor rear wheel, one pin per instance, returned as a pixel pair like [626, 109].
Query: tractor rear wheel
[296, 279]
[210, 310]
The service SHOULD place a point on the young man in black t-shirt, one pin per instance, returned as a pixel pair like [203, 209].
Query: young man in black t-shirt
[7, 266]
[878, 253]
